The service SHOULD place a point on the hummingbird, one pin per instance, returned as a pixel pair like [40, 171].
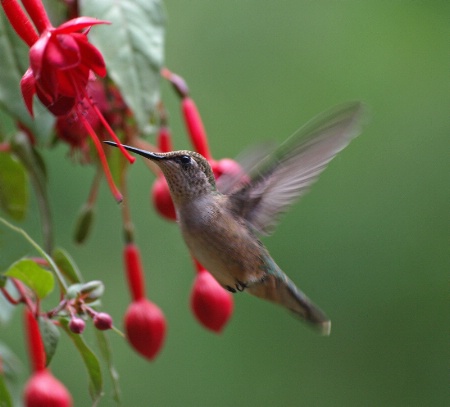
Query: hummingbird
[221, 222]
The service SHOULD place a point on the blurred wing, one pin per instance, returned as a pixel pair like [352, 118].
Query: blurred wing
[249, 159]
[284, 176]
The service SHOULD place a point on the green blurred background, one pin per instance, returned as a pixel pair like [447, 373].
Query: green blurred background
[370, 243]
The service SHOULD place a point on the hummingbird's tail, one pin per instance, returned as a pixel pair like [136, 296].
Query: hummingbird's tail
[281, 290]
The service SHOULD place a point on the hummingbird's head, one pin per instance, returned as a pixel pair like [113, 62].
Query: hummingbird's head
[188, 173]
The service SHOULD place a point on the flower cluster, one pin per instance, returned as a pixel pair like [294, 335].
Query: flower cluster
[62, 64]
[65, 74]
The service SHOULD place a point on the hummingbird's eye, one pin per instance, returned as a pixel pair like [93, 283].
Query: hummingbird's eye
[185, 159]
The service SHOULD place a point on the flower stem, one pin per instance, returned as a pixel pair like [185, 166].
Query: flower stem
[129, 157]
[40, 250]
[101, 153]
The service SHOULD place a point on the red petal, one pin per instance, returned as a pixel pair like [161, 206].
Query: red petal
[78, 24]
[47, 80]
[90, 55]
[60, 106]
[37, 54]
[63, 52]
[28, 89]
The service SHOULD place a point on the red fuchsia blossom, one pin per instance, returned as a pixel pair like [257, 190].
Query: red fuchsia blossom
[211, 304]
[42, 389]
[145, 324]
[62, 61]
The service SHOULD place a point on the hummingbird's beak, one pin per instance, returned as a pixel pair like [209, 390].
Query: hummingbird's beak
[143, 153]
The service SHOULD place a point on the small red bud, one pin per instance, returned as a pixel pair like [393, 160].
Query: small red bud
[145, 327]
[103, 321]
[162, 201]
[211, 304]
[43, 390]
[77, 325]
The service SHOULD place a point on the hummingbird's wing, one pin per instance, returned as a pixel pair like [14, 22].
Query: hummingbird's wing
[286, 174]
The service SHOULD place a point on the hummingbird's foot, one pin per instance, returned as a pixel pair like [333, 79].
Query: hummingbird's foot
[230, 289]
[240, 286]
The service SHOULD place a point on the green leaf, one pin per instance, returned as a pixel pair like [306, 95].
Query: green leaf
[11, 366]
[7, 125]
[6, 308]
[5, 397]
[50, 337]
[90, 361]
[38, 279]
[67, 265]
[13, 64]
[133, 48]
[105, 351]
[13, 187]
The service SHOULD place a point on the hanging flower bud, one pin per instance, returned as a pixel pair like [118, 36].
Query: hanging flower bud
[162, 200]
[43, 390]
[145, 327]
[102, 321]
[210, 303]
[77, 325]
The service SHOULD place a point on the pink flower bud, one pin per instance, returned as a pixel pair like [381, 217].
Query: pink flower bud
[43, 390]
[103, 321]
[211, 304]
[162, 201]
[145, 327]
[77, 325]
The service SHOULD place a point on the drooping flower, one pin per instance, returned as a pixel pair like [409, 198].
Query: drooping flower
[62, 62]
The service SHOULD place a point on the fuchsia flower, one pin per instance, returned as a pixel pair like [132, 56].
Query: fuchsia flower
[62, 62]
